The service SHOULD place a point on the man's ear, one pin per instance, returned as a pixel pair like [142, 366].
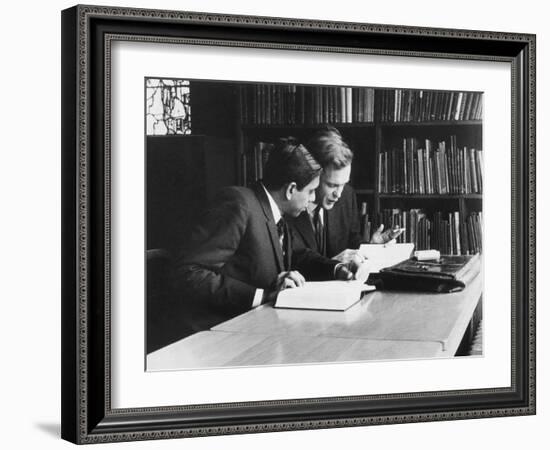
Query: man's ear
[290, 189]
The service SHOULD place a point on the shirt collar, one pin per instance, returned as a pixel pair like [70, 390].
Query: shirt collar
[274, 207]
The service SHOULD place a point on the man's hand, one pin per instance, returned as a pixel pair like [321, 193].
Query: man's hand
[343, 272]
[350, 256]
[285, 280]
[383, 237]
[352, 271]
[290, 279]
[355, 266]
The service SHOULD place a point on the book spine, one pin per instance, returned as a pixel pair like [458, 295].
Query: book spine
[331, 116]
[416, 174]
[422, 181]
[457, 106]
[427, 170]
[433, 173]
[387, 168]
[463, 240]
[436, 238]
[479, 171]
[472, 234]
[479, 227]
[370, 105]
[380, 172]
[437, 173]
[456, 223]
[446, 170]
[457, 169]
[393, 171]
[395, 106]
[349, 105]
[405, 171]
[342, 109]
[410, 163]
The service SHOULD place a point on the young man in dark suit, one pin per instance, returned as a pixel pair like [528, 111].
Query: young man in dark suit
[330, 224]
[240, 253]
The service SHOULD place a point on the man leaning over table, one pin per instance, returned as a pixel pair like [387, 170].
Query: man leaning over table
[240, 254]
[330, 224]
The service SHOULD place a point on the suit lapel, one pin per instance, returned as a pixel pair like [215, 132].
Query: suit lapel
[303, 225]
[274, 236]
[270, 224]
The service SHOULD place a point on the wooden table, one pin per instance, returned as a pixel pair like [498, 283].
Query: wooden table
[383, 325]
[226, 349]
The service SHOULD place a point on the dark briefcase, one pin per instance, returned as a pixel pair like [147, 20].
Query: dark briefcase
[451, 273]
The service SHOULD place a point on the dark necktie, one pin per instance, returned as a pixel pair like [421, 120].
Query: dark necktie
[281, 232]
[319, 230]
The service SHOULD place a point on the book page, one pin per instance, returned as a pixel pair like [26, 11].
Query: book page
[380, 256]
[331, 295]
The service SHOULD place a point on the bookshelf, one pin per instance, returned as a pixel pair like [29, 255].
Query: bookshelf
[418, 154]
[429, 169]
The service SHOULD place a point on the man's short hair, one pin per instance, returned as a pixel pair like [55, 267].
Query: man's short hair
[289, 162]
[329, 149]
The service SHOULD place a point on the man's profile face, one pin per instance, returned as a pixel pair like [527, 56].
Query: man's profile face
[301, 198]
[331, 185]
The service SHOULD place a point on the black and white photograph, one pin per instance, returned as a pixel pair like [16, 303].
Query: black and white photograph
[300, 223]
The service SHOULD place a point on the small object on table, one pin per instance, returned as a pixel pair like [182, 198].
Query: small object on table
[427, 255]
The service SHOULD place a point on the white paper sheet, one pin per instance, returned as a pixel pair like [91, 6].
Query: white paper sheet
[380, 256]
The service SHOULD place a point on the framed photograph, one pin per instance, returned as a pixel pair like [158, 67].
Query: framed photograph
[268, 222]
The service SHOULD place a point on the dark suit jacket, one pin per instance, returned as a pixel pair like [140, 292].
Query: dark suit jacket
[233, 250]
[341, 226]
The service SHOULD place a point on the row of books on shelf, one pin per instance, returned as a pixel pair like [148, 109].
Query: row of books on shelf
[430, 169]
[266, 104]
[270, 104]
[403, 105]
[441, 231]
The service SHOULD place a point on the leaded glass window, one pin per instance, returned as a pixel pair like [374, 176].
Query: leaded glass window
[168, 109]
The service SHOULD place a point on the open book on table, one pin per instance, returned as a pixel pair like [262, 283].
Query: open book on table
[332, 295]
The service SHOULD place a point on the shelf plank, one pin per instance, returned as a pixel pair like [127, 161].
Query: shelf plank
[315, 126]
[432, 196]
[433, 123]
